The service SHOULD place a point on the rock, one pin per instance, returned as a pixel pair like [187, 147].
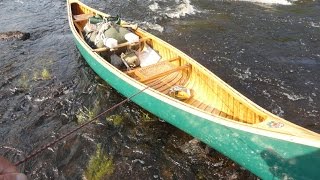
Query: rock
[193, 148]
[14, 35]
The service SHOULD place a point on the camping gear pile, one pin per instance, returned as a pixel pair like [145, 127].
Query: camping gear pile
[106, 32]
[102, 32]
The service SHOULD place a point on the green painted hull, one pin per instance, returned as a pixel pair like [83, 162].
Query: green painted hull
[266, 157]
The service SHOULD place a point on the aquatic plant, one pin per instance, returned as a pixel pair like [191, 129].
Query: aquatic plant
[146, 116]
[116, 119]
[99, 165]
[45, 74]
[84, 114]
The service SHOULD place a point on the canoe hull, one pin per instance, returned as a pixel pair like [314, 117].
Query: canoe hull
[267, 157]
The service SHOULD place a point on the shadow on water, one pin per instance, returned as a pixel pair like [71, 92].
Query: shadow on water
[302, 167]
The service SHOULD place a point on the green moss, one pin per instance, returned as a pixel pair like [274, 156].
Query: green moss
[45, 74]
[115, 119]
[146, 117]
[84, 115]
[200, 175]
[99, 165]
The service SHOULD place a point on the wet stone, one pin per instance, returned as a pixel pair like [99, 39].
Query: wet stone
[14, 35]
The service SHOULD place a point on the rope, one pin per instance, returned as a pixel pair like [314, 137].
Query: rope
[35, 153]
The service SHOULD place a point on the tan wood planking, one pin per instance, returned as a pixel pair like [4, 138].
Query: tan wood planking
[164, 82]
[172, 82]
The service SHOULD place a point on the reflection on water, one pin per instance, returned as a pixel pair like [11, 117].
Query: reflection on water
[268, 52]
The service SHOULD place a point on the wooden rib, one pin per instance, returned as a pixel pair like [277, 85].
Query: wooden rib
[241, 112]
[224, 107]
[203, 106]
[250, 117]
[245, 115]
[215, 111]
[163, 86]
[219, 100]
[184, 79]
[164, 81]
[167, 82]
[204, 95]
[157, 83]
[209, 108]
[181, 81]
[231, 103]
[171, 83]
[236, 110]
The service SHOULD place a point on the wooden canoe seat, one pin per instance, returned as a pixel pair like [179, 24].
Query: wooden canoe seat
[82, 17]
[155, 71]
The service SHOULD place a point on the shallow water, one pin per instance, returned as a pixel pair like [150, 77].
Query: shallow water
[269, 52]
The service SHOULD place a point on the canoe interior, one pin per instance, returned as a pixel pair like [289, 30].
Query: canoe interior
[208, 93]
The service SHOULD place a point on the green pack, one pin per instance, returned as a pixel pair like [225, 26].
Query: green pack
[96, 19]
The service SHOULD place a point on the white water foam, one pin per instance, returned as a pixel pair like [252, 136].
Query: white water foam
[313, 24]
[153, 7]
[180, 9]
[281, 2]
[294, 97]
[152, 26]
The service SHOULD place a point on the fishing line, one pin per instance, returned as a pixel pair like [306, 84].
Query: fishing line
[35, 153]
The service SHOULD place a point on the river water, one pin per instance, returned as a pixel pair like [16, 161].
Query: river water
[269, 50]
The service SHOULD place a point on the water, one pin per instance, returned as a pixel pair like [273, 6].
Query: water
[268, 51]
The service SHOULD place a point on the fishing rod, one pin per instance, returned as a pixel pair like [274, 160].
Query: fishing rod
[35, 153]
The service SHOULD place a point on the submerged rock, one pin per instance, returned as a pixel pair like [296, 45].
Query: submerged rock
[14, 35]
